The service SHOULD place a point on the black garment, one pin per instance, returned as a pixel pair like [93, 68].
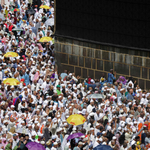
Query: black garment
[50, 92]
[47, 134]
[143, 136]
[63, 91]
[109, 135]
[122, 138]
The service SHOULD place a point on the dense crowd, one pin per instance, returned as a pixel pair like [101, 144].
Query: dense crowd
[37, 110]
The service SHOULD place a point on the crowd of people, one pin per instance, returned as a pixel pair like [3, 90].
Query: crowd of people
[116, 111]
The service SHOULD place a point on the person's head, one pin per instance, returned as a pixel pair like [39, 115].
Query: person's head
[15, 137]
[131, 91]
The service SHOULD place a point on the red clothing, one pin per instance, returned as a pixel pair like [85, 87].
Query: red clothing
[15, 20]
[6, 25]
[10, 27]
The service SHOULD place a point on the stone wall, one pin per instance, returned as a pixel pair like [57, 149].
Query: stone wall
[93, 60]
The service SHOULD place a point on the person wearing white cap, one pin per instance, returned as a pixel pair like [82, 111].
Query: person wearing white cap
[55, 145]
[91, 106]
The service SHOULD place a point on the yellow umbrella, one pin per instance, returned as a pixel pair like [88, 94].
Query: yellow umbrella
[11, 54]
[45, 39]
[76, 119]
[45, 7]
[11, 81]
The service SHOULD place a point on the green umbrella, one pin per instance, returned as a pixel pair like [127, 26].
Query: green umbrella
[17, 29]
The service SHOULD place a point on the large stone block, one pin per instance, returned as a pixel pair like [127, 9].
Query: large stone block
[68, 68]
[81, 61]
[128, 59]
[108, 66]
[147, 85]
[75, 50]
[99, 74]
[73, 60]
[137, 61]
[105, 55]
[84, 73]
[67, 49]
[91, 73]
[91, 53]
[122, 68]
[63, 58]
[121, 58]
[57, 47]
[98, 54]
[147, 62]
[135, 71]
[144, 73]
[93, 64]
[88, 62]
[100, 64]
[142, 84]
[78, 71]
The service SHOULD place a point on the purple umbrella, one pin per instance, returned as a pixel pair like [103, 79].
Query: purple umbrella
[35, 146]
[75, 135]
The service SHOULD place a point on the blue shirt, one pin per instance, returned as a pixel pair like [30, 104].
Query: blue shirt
[110, 78]
[26, 78]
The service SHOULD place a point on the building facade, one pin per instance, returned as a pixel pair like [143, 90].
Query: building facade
[86, 59]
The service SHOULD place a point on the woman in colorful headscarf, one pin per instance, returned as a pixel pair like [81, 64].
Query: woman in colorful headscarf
[122, 80]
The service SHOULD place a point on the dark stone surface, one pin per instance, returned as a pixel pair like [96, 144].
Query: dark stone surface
[93, 64]
[121, 58]
[99, 64]
[113, 56]
[67, 49]
[88, 62]
[144, 73]
[122, 68]
[78, 71]
[137, 61]
[105, 55]
[81, 61]
[141, 83]
[147, 61]
[108, 66]
[128, 59]
[58, 47]
[90, 53]
[73, 60]
[84, 51]
[84, 73]
[63, 58]
[91, 73]
[68, 68]
[135, 71]
[148, 85]
[98, 54]
[99, 74]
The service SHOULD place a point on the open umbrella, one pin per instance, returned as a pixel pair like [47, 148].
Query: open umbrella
[31, 12]
[11, 54]
[35, 146]
[49, 22]
[76, 119]
[11, 81]
[17, 29]
[22, 130]
[102, 147]
[97, 96]
[75, 135]
[45, 39]
[14, 9]
[45, 7]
